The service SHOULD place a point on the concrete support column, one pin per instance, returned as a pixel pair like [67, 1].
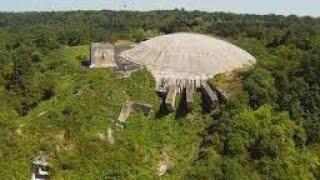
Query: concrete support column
[171, 98]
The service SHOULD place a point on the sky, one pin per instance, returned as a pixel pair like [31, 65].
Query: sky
[285, 7]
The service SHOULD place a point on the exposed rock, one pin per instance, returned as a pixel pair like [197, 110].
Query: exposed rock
[60, 137]
[126, 68]
[62, 143]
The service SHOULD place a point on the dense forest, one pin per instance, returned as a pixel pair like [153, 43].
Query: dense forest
[268, 129]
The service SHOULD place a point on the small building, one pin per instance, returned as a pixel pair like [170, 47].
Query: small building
[102, 55]
[40, 170]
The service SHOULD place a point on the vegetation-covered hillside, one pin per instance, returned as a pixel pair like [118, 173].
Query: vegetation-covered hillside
[268, 129]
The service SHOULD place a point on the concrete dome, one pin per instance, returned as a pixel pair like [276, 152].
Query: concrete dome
[188, 53]
[187, 56]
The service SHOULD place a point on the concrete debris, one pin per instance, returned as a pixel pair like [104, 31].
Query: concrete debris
[19, 130]
[144, 108]
[42, 113]
[111, 136]
[126, 67]
[128, 106]
[165, 164]
[101, 136]
[121, 126]
[125, 112]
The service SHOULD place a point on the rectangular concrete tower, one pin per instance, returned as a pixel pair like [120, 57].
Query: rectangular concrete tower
[102, 55]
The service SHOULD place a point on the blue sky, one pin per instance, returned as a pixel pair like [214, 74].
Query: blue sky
[299, 7]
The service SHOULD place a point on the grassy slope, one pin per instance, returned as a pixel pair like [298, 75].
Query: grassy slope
[86, 103]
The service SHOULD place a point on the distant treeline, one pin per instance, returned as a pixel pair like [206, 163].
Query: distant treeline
[78, 27]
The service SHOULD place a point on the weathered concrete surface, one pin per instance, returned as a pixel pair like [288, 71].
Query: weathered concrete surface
[187, 56]
[125, 112]
[40, 167]
[120, 126]
[189, 95]
[211, 94]
[128, 106]
[222, 95]
[111, 136]
[171, 98]
[144, 108]
[165, 164]
[101, 136]
[102, 55]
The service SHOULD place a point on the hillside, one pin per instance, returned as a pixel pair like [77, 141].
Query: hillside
[86, 103]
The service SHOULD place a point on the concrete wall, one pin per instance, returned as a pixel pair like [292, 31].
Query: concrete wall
[102, 55]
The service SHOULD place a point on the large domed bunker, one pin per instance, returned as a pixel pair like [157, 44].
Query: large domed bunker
[186, 61]
[183, 57]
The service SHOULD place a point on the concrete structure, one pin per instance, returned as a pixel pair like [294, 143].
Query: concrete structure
[40, 167]
[125, 112]
[222, 95]
[111, 136]
[185, 61]
[177, 58]
[189, 95]
[102, 55]
[144, 108]
[178, 62]
[170, 100]
[41, 171]
[214, 99]
[128, 106]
